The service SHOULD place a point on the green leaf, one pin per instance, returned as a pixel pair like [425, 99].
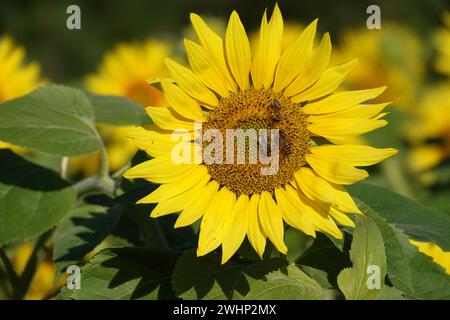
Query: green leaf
[206, 278]
[32, 198]
[390, 293]
[319, 255]
[367, 252]
[126, 273]
[118, 111]
[408, 270]
[416, 220]
[54, 119]
[81, 231]
[155, 233]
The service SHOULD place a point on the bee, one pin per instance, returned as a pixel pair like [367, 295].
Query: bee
[285, 143]
[277, 107]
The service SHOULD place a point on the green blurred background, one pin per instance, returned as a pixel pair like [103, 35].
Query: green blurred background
[68, 55]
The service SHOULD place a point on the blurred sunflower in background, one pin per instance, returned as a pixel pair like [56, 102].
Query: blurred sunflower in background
[439, 256]
[42, 285]
[429, 135]
[16, 77]
[389, 56]
[226, 87]
[429, 131]
[442, 41]
[123, 72]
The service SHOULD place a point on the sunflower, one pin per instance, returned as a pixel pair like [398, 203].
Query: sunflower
[228, 88]
[439, 256]
[442, 41]
[429, 133]
[43, 282]
[16, 77]
[391, 55]
[123, 72]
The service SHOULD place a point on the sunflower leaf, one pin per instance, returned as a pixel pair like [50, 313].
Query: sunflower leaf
[126, 273]
[118, 111]
[365, 279]
[409, 271]
[55, 119]
[274, 278]
[81, 231]
[32, 198]
[416, 220]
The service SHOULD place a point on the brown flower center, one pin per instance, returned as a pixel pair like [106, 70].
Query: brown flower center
[259, 109]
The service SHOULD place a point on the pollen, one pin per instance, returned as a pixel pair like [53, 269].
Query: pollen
[260, 109]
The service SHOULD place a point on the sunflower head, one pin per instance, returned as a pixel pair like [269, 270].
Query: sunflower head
[123, 71]
[289, 94]
[442, 43]
[391, 55]
[429, 132]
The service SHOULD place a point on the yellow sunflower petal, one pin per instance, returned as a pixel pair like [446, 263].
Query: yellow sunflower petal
[336, 172]
[191, 84]
[313, 186]
[293, 59]
[356, 155]
[342, 100]
[344, 202]
[169, 190]
[272, 221]
[322, 222]
[181, 102]
[344, 129]
[292, 214]
[167, 119]
[318, 188]
[340, 217]
[330, 80]
[196, 206]
[176, 203]
[205, 68]
[268, 50]
[238, 51]
[154, 142]
[255, 233]
[213, 45]
[211, 228]
[159, 170]
[361, 111]
[235, 228]
[314, 67]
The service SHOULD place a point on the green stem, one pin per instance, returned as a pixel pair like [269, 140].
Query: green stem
[104, 164]
[101, 182]
[27, 276]
[10, 272]
[64, 167]
[395, 176]
[121, 171]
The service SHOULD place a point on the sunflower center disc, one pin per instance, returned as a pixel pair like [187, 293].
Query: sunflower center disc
[254, 109]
